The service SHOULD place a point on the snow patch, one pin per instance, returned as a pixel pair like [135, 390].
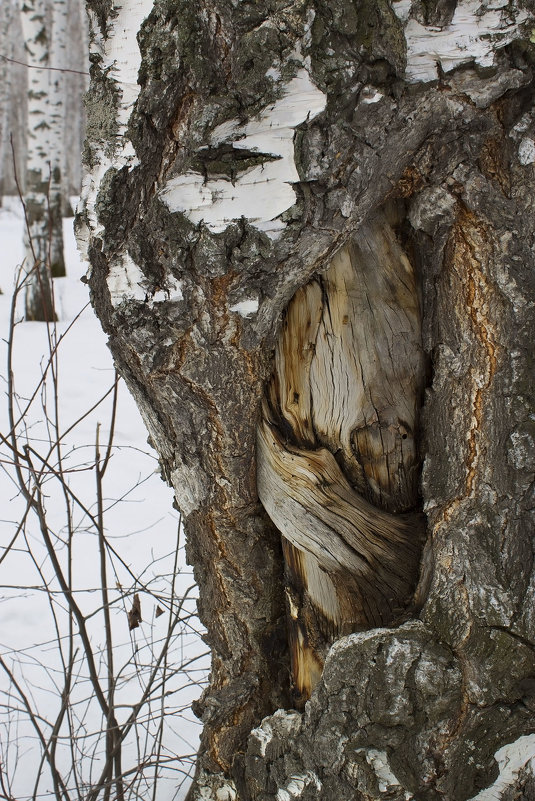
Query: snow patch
[526, 151]
[263, 192]
[475, 32]
[274, 73]
[511, 758]
[143, 527]
[523, 124]
[351, 640]
[245, 307]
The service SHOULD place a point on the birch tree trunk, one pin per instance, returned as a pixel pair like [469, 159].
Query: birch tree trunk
[309, 226]
[76, 82]
[6, 49]
[57, 83]
[42, 226]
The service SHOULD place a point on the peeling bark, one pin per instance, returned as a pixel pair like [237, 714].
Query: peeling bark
[199, 314]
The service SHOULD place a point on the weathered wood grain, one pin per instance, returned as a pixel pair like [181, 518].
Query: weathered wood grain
[337, 449]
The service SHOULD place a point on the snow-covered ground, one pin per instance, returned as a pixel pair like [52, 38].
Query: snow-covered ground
[141, 527]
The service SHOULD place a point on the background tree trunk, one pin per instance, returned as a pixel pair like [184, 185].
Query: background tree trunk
[76, 83]
[7, 49]
[261, 141]
[16, 68]
[57, 84]
[42, 227]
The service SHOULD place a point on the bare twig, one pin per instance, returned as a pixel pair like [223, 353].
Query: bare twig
[37, 67]
[86, 675]
[34, 720]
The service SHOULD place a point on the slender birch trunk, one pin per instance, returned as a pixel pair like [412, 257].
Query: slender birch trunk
[76, 84]
[57, 82]
[38, 238]
[6, 73]
[16, 112]
[310, 236]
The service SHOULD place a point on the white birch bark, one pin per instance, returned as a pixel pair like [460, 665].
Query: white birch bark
[118, 55]
[76, 81]
[15, 88]
[6, 72]
[58, 60]
[39, 304]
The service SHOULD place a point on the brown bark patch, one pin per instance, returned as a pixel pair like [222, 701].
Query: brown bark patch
[492, 163]
[469, 253]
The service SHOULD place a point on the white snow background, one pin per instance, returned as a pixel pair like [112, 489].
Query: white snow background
[143, 529]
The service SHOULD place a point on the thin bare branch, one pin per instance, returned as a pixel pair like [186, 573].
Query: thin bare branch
[37, 67]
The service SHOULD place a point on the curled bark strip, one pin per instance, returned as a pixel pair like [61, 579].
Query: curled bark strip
[337, 458]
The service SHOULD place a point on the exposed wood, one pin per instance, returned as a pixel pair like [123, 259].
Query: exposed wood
[337, 451]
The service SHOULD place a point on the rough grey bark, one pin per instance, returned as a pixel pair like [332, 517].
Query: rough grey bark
[420, 710]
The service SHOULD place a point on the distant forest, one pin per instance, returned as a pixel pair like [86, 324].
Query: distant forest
[15, 66]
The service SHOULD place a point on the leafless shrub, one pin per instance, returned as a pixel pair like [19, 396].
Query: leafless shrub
[96, 706]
